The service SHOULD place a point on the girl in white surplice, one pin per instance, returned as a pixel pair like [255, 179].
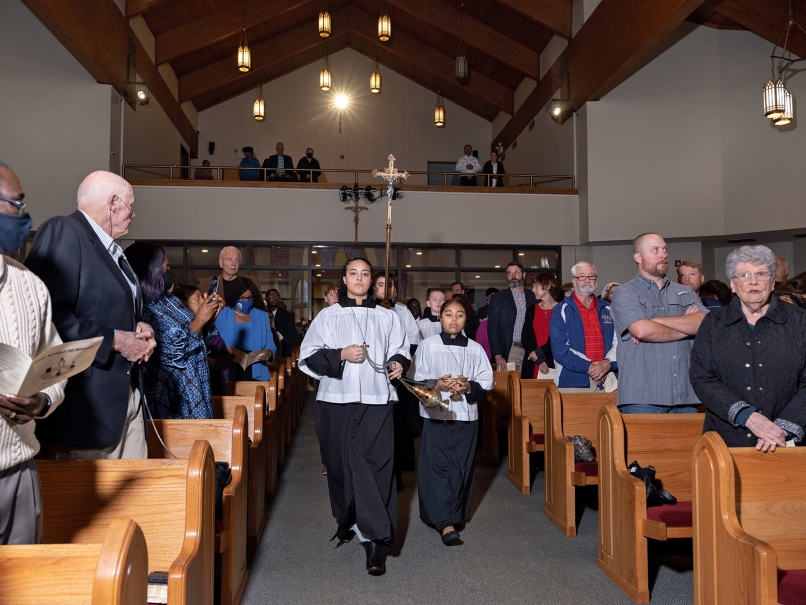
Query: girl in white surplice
[462, 373]
[345, 347]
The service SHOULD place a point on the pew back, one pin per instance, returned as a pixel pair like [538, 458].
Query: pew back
[493, 410]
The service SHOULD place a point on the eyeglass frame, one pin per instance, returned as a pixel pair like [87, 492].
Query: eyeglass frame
[585, 277]
[750, 274]
[18, 204]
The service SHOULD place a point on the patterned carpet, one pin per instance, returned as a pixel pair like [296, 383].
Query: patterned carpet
[511, 554]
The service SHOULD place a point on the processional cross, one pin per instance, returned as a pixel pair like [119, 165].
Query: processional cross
[356, 209]
[389, 174]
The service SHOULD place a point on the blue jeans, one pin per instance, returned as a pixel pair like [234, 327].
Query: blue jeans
[648, 408]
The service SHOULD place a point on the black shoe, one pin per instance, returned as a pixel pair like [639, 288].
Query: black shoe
[452, 539]
[376, 561]
[399, 482]
[344, 532]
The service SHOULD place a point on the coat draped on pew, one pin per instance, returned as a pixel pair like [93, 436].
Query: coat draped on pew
[229, 442]
[749, 524]
[173, 502]
[112, 573]
[665, 441]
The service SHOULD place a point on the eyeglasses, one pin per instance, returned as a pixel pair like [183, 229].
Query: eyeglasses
[760, 276]
[250, 297]
[18, 204]
[587, 277]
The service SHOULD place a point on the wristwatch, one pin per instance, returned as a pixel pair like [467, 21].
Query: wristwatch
[45, 409]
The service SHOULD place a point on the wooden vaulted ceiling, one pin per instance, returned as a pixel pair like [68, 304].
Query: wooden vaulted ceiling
[503, 40]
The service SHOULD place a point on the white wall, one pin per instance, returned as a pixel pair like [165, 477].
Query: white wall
[55, 118]
[399, 121]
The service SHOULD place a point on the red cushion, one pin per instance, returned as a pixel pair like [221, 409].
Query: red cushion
[673, 515]
[537, 438]
[792, 587]
[591, 469]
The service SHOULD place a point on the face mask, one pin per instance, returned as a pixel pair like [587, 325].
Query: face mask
[14, 228]
[168, 279]
[245, 306]
[309, 155]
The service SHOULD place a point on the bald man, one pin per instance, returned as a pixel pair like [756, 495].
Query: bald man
[95, 293]
[229, 259]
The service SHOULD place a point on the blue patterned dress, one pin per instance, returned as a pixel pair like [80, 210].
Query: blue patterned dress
[176, 377]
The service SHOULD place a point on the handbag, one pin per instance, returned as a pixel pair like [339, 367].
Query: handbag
[583, 449]
[655, 494]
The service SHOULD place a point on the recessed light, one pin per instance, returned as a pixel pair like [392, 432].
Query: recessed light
[419, 254]
[315, 252]
[204, 251]
[478, 276]
[318, 275]
[498, 266]
[408, 266]
[520, 253]
[317, 265]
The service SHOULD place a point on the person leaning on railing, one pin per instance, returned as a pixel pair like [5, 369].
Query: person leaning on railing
[494, 168]
[205, 173]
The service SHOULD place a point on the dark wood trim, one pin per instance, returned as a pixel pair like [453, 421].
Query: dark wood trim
[554, 15]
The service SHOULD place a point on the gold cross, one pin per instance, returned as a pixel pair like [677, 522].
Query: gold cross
[390, 174]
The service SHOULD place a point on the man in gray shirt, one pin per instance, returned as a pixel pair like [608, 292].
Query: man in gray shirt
[655, 320]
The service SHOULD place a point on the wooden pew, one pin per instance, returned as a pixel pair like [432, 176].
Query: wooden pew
[293, 392]
[229, 443]
[494, 411]
[665, 441]
[566, 415]
[749, 524]
[272, 434]
[257, 419]
[526, 427]
[284, 409]
[171, 500]
[112, 573]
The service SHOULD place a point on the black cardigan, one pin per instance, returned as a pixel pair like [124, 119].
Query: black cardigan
[529, 342]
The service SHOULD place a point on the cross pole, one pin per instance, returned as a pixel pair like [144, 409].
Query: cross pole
[356, 209]
[389, 174]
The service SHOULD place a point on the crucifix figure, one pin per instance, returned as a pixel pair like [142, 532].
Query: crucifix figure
[389, 174]
[356, 209]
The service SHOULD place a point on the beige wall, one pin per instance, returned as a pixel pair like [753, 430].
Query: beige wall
[399, 121]
[55, 119]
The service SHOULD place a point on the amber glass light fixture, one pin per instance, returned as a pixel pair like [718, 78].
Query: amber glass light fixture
[375, 78]
[244, 56]
[778, 100]
[788, 113]
[259, 109]
[325, 79]
[384, 23]
[324, 22]
[439, 112]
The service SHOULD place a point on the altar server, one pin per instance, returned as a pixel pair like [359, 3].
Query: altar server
[463, 375]
[429, 324]
[346, 348]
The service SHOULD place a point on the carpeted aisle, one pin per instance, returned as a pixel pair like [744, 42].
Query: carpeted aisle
[511, 554]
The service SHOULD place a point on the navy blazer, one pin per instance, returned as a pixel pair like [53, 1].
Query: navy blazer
[91, 297]
[501, 320]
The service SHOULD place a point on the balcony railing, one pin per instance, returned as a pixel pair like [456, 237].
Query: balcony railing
[337, 176]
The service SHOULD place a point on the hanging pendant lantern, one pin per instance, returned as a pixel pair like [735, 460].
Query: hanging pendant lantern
[462, 67]
[375, 78]
[259, 108]
[774, 99]
[789, 109]
[324, 22]
[244, 56]
[325, 80]
[384, 24]
[439, 112]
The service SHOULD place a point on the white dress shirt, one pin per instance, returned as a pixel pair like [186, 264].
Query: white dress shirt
[461, 165]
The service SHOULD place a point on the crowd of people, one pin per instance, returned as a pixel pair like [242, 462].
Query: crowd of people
[166, 349]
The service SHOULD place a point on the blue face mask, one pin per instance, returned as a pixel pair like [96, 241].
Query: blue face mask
[14, 228]
[245, 306]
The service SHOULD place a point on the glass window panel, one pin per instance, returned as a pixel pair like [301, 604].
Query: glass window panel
[279, 256]
[491, 258]
[207, 255]
[428, 257]
[321, 277]
[476, 283]
[175, 256]
[293, 287]
[332, 256]
[538, 259]
[414, 284]
[194, 276]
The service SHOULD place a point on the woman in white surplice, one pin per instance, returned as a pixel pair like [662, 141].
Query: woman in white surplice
[345, 347]
[448, 447]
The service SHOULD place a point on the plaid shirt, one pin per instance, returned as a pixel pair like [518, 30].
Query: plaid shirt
[520, 317]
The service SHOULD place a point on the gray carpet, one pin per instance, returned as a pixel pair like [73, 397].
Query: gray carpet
[511, 554]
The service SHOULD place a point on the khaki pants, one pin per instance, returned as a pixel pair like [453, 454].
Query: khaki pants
[20, 504]
[516, 353]
[132, 443]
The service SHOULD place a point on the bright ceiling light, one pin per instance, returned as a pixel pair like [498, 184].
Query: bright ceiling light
[341, 101]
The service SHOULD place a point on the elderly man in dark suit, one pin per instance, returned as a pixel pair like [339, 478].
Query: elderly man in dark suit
[282, 164]
[505, 319]
[95, 293]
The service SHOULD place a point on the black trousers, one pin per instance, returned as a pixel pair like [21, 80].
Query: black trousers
[468, 181]
[446, 470]
[407, 428]
[357, 444]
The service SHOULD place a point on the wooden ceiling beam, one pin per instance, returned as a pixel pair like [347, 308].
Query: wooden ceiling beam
[476, 34]
[221, 24]
[97, 34]
[554, 15]
[428, 59]
[618, 35]
[265, 54]
[135, 8]
[765, 18]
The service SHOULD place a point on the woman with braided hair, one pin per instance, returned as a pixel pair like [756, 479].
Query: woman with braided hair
[354, 348]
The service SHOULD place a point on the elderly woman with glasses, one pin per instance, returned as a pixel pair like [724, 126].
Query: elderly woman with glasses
[748, 364]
